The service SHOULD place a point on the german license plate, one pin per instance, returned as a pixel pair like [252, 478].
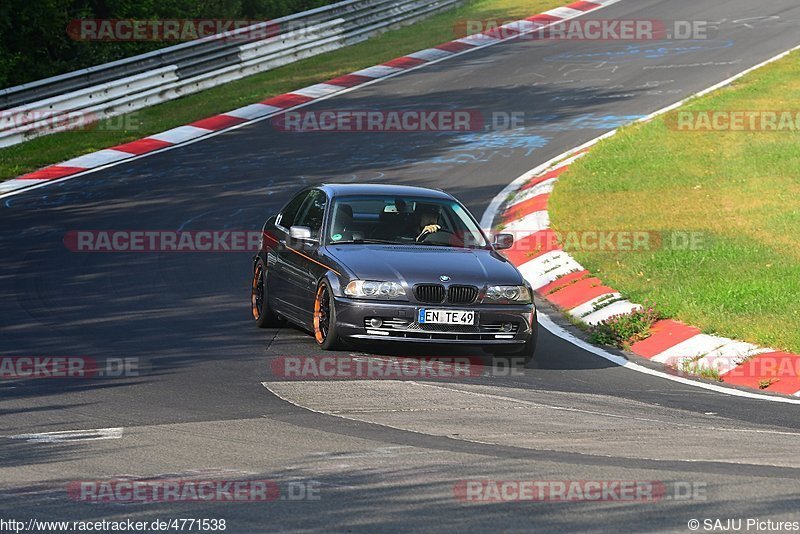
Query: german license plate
[446, 317]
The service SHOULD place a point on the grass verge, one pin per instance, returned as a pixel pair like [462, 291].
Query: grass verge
[439, 29]
[739, 190]
[693, 368]
[622, 331]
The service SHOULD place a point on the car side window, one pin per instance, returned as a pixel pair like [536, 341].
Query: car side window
[289, 213]
[312, 212]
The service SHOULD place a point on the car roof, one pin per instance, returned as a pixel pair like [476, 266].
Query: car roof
[334, 190]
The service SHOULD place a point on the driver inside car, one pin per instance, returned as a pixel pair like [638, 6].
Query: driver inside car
[426, 219]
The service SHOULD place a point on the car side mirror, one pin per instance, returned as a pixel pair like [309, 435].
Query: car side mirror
[503, 241]
[300, 232]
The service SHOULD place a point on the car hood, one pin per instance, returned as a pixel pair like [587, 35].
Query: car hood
[415, 264]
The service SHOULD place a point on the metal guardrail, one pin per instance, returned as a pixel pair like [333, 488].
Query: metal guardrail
[77, 98]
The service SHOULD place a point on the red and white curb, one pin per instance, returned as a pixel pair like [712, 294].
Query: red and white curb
[558, 278]
[301, 97]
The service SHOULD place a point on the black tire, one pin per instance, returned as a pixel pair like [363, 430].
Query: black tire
[263, 315]
[324, 319]
[522, 356]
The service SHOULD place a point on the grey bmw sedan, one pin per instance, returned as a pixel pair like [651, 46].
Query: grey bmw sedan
[374, 262]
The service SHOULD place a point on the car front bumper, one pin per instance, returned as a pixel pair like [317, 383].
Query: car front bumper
[400, 324]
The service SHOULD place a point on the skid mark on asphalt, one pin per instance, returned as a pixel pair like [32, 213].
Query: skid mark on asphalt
[637, 52]
[65, 436]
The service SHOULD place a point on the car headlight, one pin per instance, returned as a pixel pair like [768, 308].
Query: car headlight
[508, 294]
[374, 289]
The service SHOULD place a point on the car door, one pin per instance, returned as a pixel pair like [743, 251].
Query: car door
[300, 257]
[275, 241]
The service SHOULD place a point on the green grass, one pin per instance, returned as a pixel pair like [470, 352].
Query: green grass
[691, 367]
[741, 190]
[439, 29]
[624, 330]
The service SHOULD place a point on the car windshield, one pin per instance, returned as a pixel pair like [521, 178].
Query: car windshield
[403, 220]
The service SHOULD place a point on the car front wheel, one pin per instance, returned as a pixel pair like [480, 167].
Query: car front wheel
[325, 329]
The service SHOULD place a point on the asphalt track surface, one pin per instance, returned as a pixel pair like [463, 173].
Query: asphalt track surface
[386, 454]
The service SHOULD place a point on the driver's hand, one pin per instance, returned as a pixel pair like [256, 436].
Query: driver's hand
[431, 228]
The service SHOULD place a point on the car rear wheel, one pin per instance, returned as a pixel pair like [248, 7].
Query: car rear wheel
[325, 329]
[263, 314]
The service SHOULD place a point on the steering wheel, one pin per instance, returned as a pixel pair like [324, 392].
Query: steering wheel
[439, 231]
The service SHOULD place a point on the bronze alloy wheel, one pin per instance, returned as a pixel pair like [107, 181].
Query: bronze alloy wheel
[325, 331]
[322, 318]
